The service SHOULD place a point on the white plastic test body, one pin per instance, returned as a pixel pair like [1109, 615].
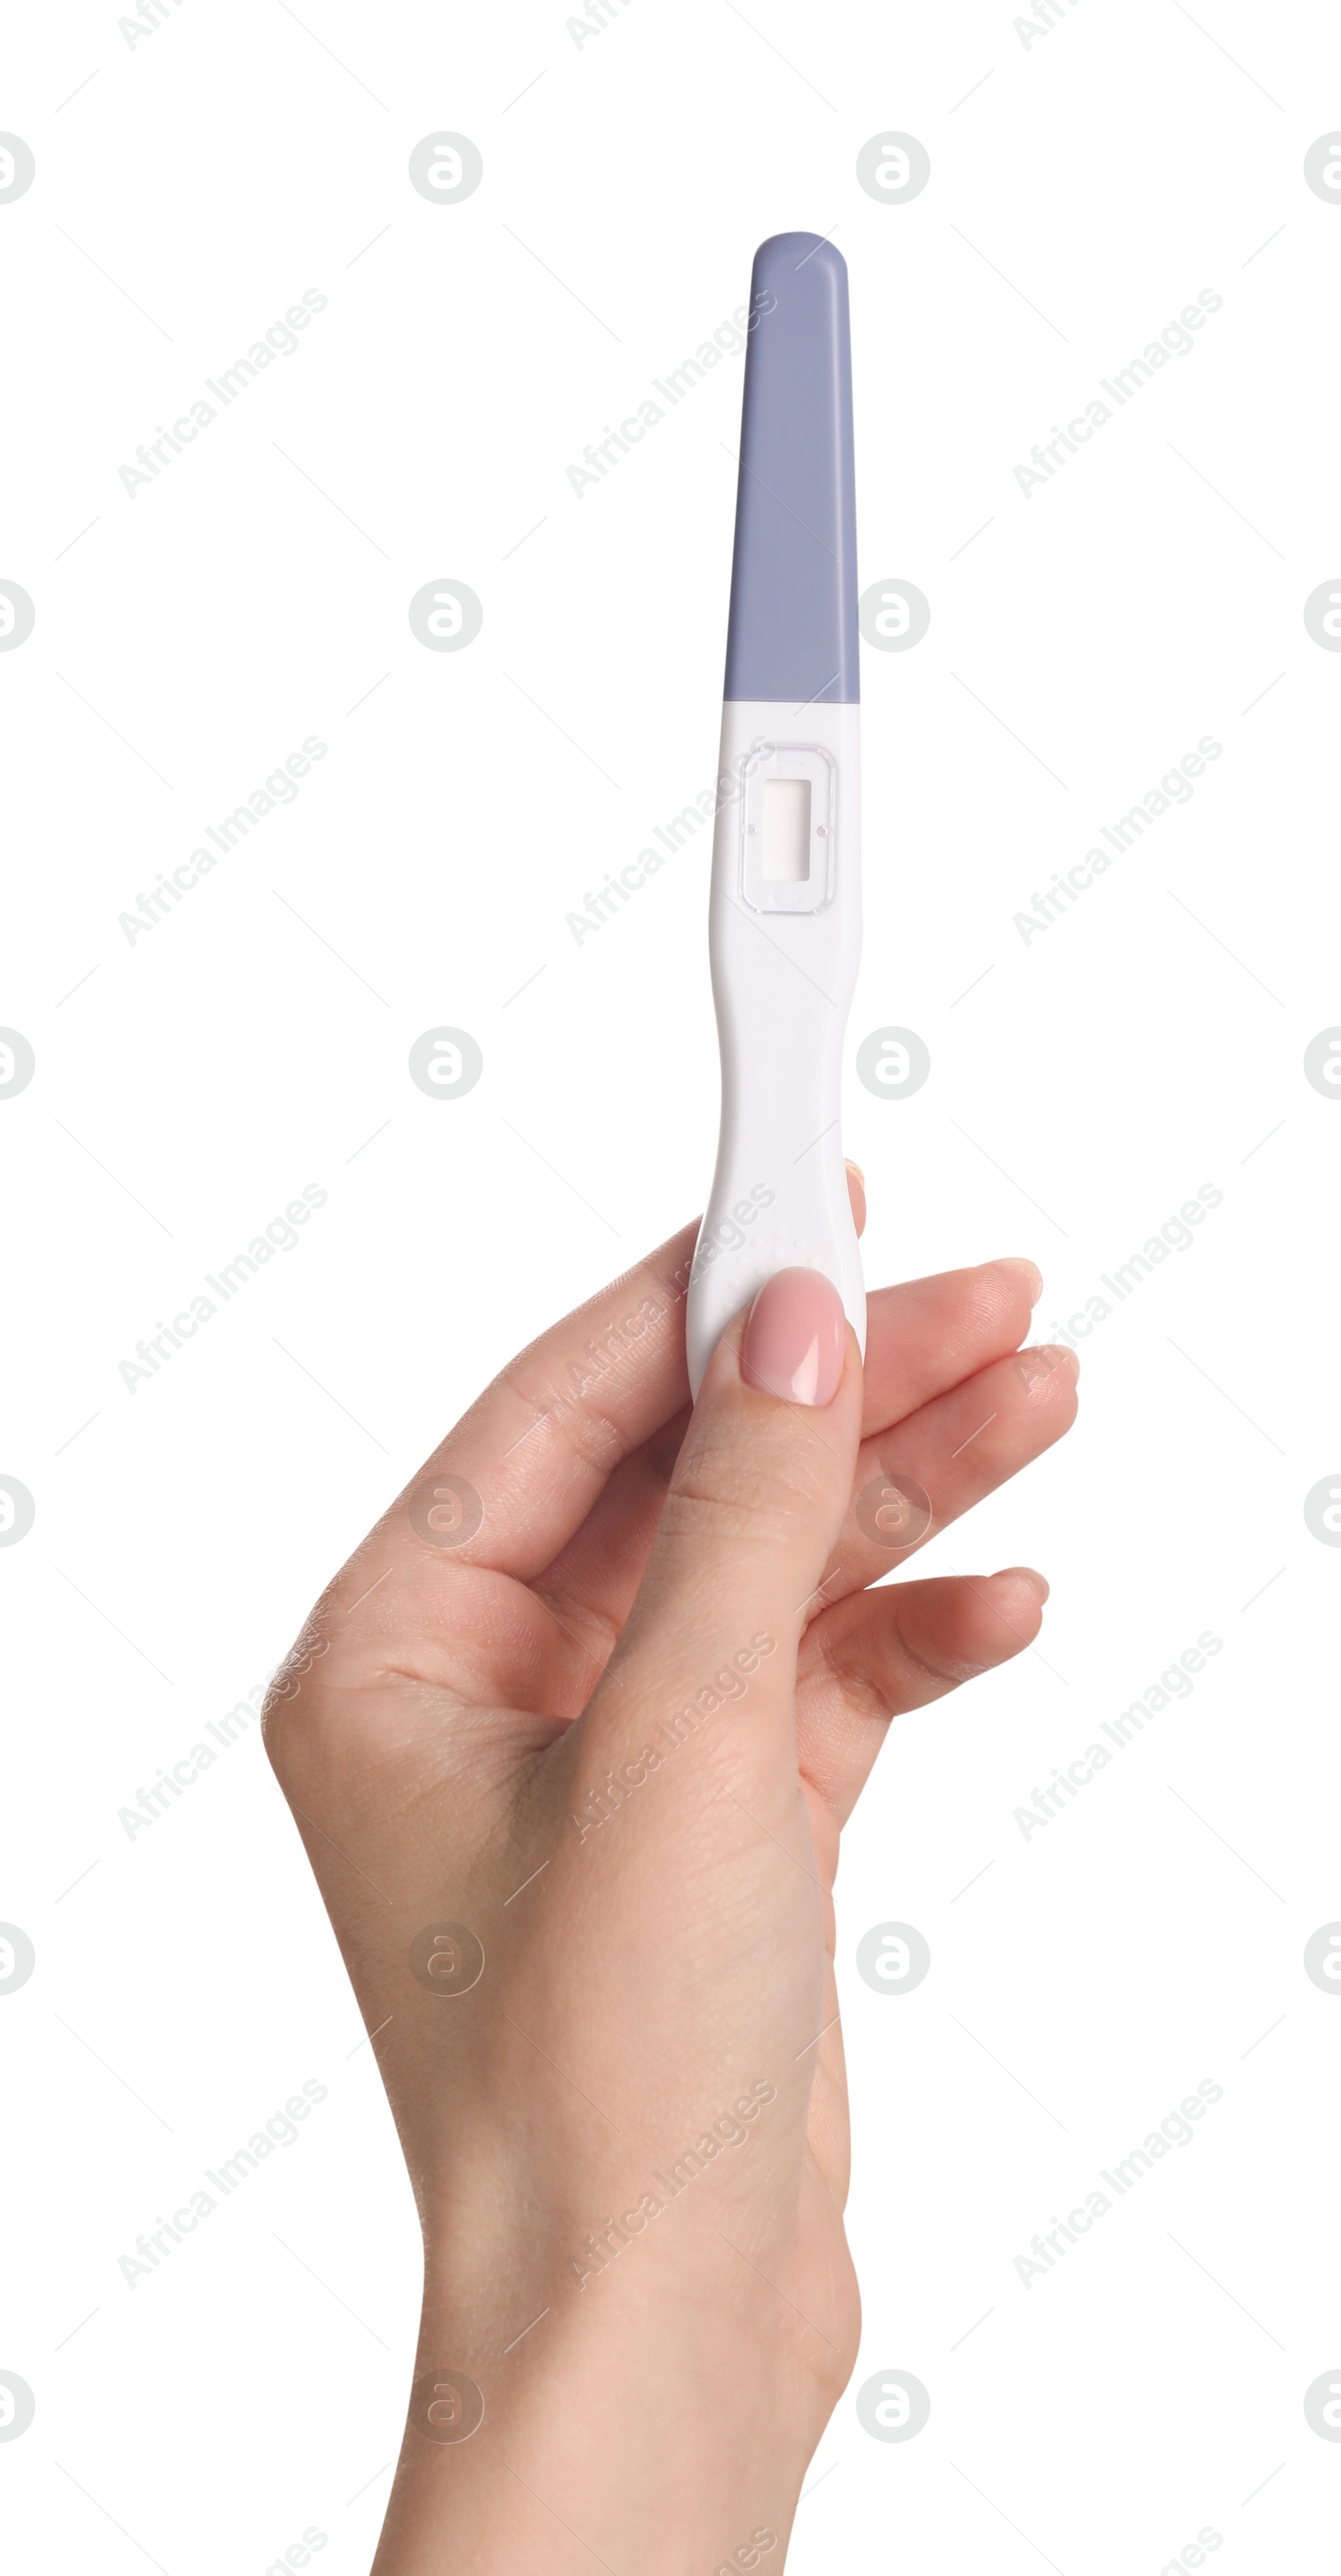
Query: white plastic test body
[785, 916]
[782, 979]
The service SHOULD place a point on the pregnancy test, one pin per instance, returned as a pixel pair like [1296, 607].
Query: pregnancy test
[785, 914]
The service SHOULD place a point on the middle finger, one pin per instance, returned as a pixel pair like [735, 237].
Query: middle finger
[913, 1480]
[922, 1336]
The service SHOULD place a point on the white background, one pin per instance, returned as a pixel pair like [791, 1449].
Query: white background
[1083, 189]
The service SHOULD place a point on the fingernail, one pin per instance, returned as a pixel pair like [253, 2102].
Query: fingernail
[1029, 1271]
[856, 1170]
[796, 1338]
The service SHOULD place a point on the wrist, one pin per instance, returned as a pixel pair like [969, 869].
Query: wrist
[629, 2419]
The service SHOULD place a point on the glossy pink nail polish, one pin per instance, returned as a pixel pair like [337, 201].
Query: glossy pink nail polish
[795, 1338]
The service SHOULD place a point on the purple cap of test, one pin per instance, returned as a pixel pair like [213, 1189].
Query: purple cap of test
[793, 628]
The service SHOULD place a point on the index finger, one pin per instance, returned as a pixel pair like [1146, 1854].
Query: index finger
[535, 1451]
[537, 1447]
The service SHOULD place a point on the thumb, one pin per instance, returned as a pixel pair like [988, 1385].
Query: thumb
[754, 1507]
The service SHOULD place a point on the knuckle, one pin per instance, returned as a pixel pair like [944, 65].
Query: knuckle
[286, 1686]
[590, 1433]
[721, 1491]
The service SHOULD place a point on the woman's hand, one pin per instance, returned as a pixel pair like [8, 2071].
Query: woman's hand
[569, 1742]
